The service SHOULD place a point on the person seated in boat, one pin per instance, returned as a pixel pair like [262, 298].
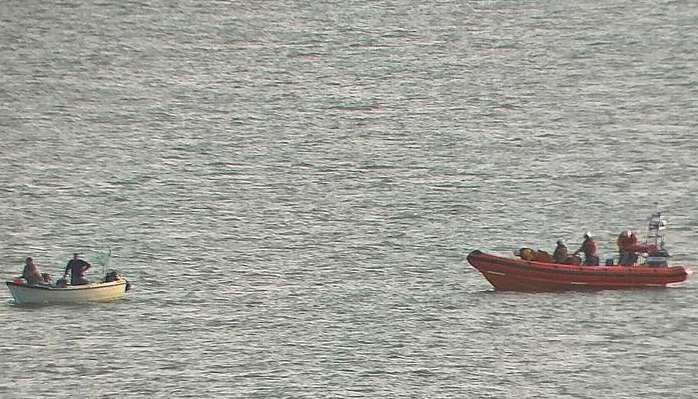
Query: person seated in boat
[31, 273]
[627, 241]
[77, 268]
[525, 253]
[560, 254]
[589, 249]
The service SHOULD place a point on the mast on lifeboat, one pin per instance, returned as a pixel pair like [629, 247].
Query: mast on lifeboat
[655, 237]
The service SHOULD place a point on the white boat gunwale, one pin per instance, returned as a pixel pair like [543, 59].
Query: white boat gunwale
[107, 291]
[68, 287]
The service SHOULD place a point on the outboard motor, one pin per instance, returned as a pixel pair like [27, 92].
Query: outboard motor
[113, 275]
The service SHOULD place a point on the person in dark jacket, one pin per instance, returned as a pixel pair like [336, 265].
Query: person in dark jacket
[589, 249]
[560, 254]
[77, 268]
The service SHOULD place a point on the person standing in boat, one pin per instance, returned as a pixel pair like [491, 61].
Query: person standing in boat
[31, 273]
[627, 242]
[589, 249]
[77, 268]
[560, 254]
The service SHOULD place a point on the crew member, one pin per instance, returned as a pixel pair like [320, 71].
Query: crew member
[560, 254]
[589, 249]
[627, 242]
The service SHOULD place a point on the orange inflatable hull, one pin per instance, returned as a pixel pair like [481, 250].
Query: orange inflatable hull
[507, 274]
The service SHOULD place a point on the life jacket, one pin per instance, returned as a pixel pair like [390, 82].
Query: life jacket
[626, 242]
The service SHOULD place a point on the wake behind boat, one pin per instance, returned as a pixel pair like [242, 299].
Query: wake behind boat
[543, 274]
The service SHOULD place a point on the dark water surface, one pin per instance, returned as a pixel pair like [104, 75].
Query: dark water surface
[292, 188]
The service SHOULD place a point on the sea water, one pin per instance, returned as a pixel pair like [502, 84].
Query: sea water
[292, 189]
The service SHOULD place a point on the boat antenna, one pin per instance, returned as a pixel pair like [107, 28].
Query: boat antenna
[655, 229]
[105, 262]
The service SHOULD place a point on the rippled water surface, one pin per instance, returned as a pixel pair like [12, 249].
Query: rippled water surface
[293, 187]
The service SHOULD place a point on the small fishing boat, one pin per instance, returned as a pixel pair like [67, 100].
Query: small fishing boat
[512, 274]
[112, 287]
[24, 293]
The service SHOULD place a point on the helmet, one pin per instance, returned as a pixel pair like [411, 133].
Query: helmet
[560, 242]
[587, 235]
